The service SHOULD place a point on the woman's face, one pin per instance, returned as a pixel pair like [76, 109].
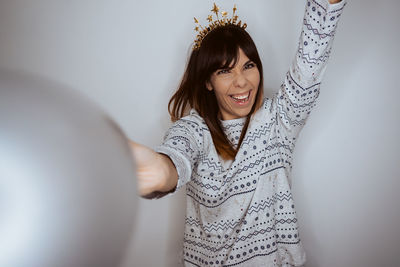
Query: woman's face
[236, 87]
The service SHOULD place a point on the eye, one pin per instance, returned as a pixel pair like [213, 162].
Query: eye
[249, 65]
[222, 71]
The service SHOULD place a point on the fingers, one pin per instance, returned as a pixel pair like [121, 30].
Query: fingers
[146, 185]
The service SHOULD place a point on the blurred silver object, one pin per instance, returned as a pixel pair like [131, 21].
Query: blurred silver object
[67, 180]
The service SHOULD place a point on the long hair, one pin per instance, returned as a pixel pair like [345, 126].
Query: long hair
[218, 50]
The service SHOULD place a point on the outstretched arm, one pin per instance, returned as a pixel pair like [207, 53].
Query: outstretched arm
[155, 171]
[169, 166]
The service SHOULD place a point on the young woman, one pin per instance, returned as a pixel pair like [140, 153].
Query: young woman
[233, 148]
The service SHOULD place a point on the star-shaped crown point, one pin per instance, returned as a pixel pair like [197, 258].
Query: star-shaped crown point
[213, 24]
[215, 9]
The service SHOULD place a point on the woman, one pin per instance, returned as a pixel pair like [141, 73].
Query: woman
[234, 148]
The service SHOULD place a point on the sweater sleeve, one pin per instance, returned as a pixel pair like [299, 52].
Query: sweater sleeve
[182, 145]
[300, 88]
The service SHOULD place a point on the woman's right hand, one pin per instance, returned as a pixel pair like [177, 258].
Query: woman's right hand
[155, 171]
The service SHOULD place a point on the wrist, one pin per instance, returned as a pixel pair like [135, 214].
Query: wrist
[169, 175]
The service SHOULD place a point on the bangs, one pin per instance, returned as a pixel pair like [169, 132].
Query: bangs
[220, 49]
[225, 56]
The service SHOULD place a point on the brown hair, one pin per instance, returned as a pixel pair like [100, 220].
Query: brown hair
[219, 49]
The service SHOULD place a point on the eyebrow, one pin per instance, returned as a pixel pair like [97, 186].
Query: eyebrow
[229, 68]
[248, 61]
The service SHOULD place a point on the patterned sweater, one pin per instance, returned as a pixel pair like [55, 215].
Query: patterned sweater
[241, 213]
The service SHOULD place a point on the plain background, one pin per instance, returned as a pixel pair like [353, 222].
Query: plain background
[129, 56]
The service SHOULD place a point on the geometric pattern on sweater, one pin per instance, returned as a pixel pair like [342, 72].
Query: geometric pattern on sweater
[242, 213]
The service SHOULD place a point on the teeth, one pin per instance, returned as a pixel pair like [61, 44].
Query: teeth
[241, 97]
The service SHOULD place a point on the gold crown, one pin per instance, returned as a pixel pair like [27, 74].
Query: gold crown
[203, 31]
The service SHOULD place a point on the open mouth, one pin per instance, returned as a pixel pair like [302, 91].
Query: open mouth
[241, 99]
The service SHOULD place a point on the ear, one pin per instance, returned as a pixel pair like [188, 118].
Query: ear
[209, 86]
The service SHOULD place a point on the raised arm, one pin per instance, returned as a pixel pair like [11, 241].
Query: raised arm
[300, 88]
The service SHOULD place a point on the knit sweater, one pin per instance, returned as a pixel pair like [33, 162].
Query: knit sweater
[241, 213]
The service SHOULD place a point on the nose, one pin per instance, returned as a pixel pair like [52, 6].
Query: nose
[240, 79]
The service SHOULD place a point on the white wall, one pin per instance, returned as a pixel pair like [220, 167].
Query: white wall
[129, 56]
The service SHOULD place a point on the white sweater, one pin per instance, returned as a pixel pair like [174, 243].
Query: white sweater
[242, 213]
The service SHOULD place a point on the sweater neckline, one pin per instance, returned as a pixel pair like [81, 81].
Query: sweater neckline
[232, 122]
[224, 123]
